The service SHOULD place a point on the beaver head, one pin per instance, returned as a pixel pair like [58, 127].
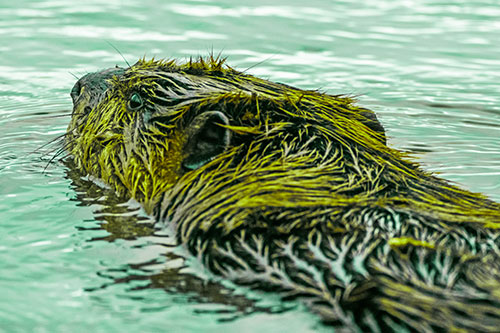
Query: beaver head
[142, 128]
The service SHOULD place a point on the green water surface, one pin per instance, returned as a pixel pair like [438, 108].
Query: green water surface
[70, 256]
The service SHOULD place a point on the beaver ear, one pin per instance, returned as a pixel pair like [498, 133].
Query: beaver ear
[207, 138]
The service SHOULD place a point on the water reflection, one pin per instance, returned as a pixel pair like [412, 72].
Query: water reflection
[430, 69]
[123, 219]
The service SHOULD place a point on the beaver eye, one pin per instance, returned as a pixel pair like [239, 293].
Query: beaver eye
[135, 101]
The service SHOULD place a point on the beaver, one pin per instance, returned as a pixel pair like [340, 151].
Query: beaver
[291, 191]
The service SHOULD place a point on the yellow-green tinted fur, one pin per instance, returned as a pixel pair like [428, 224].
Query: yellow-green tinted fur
[307, 199]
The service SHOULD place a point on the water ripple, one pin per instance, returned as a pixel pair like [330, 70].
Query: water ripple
[429, 69]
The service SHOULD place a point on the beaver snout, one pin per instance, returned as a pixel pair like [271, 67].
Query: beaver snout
[94, 84]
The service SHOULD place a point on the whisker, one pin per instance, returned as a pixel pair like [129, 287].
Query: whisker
[76, 77]
[51, 151]
[59, 152]
[57, 116]
[49, 143]
[119, 53]
[259, 63]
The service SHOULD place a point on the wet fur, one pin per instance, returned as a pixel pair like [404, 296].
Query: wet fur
[306, 200]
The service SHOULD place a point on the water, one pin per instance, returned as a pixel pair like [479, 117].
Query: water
[68, 262]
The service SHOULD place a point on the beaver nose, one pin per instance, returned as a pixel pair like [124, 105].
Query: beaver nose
[94, 84]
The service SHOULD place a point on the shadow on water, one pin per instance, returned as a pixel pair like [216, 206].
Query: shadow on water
[470, 107]
[123, 220]
[421, 104]
[434, 114]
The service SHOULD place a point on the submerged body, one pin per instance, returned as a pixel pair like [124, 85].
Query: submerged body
[292, 191]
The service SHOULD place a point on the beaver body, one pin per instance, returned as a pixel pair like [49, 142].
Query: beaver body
[292, 191]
